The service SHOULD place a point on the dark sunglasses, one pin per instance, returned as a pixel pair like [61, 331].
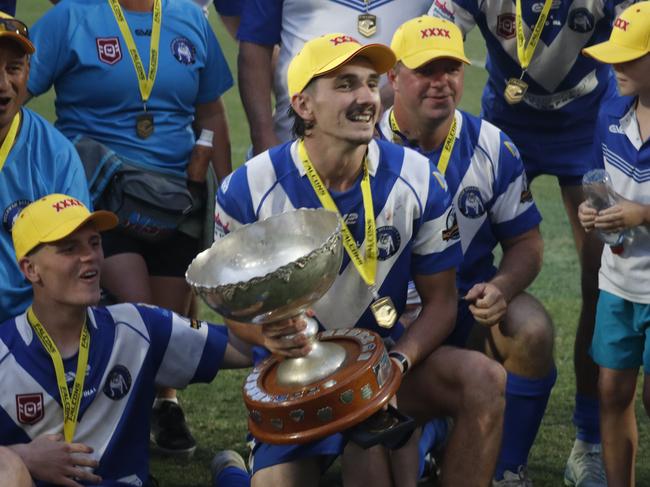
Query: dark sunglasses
[15, 26]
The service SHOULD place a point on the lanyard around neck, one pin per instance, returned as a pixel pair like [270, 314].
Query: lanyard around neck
[8, 143]
[525, 52]
[69, 401]
[145, 82]
[447, 147]
[367, 267]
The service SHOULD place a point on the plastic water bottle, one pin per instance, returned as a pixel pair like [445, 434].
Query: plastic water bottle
[599, 193]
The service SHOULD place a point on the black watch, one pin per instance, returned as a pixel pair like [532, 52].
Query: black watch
[402, 359]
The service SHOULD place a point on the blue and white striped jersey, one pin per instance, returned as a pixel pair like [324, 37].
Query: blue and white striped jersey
[133, 349]
[565, 87]
[622, 152]
[416, 228]
[489, 191]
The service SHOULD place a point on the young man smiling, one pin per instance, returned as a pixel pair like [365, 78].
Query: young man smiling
[394, 192]
[78, 380]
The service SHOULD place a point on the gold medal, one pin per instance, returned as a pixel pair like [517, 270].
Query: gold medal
[144, 125]
[367, 24]
[515, 90]
[384, 312]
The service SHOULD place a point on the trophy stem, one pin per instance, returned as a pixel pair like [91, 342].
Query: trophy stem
[323, 360]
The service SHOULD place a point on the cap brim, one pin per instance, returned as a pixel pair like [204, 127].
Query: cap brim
[610, 53]
[421, 58]
[103, 220]
[380, 56]
[25, 43]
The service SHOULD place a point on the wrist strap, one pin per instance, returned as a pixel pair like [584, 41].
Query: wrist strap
[402, 359]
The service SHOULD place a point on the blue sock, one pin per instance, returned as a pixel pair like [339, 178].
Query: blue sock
[586, 419]
[434, 434]
[232, 477]
[526, 401]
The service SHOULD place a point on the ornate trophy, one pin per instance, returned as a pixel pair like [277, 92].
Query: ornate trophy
[273, 270]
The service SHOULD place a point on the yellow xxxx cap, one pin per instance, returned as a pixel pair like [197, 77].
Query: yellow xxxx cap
[326, 53]
[52, 218]
[423, 39]
[630, 37]
[16, 30]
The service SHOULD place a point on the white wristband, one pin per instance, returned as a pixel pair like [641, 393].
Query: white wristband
[205, 140]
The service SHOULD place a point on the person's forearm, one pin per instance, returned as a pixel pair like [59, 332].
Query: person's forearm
[221, 150]
[520, 265]
[249, 333]
[255, 86]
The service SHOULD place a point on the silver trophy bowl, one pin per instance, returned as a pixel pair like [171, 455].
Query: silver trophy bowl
[271, 269]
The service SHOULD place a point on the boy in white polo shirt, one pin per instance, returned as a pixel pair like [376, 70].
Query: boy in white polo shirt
[622, 335]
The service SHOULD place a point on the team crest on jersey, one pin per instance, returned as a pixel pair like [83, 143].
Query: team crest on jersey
[183, 50]
[29, 408]
[388, 242]
[451, 232]
[581, 20]
[11, 213]
[109, 49]
[118, 383]
[506, 25]
[470, 202]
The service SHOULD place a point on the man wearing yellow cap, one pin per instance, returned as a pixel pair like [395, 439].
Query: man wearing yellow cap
[35, 159]
[78, 381]
[622, 144]
[394, 193]
[493, 207]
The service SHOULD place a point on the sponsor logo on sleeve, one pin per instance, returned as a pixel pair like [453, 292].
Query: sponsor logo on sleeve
[109, 50]
[581, 20]
[451, 232]
[29, 408]
[183, 50]
[526, 194]
[221, 227]
[441, 10]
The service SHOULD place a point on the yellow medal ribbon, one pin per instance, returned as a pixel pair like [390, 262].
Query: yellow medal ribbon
[367, 266]
[69, 401]
[525, 52]
[145, 82]
[447, 147]
[8, 143]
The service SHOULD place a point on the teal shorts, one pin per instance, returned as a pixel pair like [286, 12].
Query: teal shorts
[622, 335]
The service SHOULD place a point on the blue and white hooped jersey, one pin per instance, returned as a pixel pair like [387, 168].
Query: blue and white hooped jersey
[565, 87]
[623, 154]
[133, 349]
[291, 23]
[490, 193]
[81, 52]
[42, 161]
[416, 227]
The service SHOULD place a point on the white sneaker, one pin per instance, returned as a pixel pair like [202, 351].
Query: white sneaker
[584, 468]
[519, 478]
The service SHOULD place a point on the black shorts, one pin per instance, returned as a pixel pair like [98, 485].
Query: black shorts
[169, 258]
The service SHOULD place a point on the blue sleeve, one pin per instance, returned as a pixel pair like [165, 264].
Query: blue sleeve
[69, 173]
[215, 79]
[230, 8]
[598, 159]
[8, 6]
[436, 239]
[512, 209]
[184, 350]
[261, 22]
[234, 205]
[51, 58]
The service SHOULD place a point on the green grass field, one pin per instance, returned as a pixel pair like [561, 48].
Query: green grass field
[216, 413]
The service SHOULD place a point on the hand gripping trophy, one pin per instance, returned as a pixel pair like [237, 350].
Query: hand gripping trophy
[273, 270]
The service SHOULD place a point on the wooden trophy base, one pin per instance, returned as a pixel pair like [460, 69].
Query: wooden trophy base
[362, 385]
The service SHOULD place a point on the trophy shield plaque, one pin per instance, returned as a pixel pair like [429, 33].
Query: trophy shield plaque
[275, 269]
